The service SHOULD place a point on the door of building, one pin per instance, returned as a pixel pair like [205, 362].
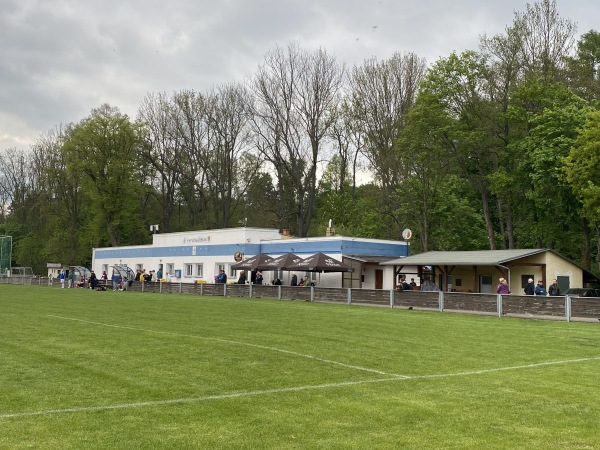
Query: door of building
[485, 284]
[378, 279]
[564, 283]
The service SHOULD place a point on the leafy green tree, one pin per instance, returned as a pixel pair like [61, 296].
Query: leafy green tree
[548, 214]
[584, 67]
[462, 86]
[105, 149]
[582, 169]
[425, 163]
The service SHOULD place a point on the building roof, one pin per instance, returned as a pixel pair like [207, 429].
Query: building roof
[465, 258]
[369, 259]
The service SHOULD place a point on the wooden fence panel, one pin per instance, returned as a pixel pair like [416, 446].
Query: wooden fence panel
[533, 305]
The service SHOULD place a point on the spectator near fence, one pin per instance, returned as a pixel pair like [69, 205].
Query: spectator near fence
[530, 287]
[554, 290]
[502, 288]
[540, 289]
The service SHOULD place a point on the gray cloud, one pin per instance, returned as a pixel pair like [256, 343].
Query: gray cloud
[60, 59]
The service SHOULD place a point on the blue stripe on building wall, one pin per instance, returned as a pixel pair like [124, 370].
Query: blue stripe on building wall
[337, 247]
[186, 250]
[332, 247]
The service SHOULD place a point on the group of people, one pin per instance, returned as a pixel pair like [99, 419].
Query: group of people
[257, 278]
[530, 288]
[142, 275]
[303, 281]
[403, 285]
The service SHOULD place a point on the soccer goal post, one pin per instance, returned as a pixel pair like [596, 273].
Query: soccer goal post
[5, 255]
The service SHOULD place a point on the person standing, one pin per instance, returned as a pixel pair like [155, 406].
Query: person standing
[222, 278]
[62, 279]
[530, 287]
[502, 288]
[540, 289]
[294, 280]
[70, 279]
[554, 290]
[93, 280]
[259, 278]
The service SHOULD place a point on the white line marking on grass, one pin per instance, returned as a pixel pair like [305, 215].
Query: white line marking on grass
[46, 412]
[228, 341]
[193, 399]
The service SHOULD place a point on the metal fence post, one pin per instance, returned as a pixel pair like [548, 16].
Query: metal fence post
[279, 292]
[180, 287]
[349, 296]
[391, 298]
[250, 291]
[568, 307]
[499, 304]
[312, 294]
[441, 300]
[225, 290]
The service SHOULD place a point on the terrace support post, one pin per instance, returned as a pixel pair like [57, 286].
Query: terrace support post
[312, 294]
[568, 307]
[391, 298]
[441, 300]
[349, 296]
[499, 304]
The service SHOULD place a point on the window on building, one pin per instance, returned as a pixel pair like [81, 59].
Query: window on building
[139, 267]
[188, 270]
[170, 269]
[232, 272]
[200, 270]
[105, 268]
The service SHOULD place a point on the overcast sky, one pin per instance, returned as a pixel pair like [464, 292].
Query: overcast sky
[59, 59]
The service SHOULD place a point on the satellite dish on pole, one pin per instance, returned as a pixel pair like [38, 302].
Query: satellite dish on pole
[406, 234]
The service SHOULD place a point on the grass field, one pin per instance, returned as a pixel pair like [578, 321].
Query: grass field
[122, 370]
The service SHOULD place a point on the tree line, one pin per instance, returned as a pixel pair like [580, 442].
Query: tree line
[492, 148]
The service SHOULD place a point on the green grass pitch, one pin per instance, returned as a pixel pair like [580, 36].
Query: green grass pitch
[122, 370]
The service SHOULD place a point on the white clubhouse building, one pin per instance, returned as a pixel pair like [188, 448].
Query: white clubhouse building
[197, 256]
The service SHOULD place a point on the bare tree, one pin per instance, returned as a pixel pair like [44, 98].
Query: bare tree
[164, 151]
[228, 116]
[191, 132]
[17, 182]
[382, 93]
[297, 94]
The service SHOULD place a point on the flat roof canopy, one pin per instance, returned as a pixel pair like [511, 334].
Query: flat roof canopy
[464, 258]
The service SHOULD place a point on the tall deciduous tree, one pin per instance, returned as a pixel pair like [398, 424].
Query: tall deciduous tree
[584, 67]
[297, 93]
[382, 93]
[105, 148]
[164, 151]
[582, 169]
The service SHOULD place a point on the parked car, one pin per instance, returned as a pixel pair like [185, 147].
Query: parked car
[583, 292]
